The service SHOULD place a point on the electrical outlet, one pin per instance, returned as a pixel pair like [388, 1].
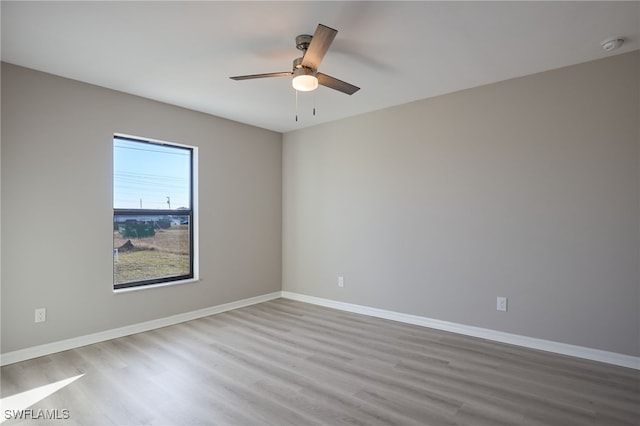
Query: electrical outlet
[502, 304]
[41, 314]
[341, 281]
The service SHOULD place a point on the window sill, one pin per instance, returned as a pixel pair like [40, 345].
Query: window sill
[152, 286]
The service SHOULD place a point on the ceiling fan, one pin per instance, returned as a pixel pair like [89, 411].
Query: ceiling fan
[305, 68]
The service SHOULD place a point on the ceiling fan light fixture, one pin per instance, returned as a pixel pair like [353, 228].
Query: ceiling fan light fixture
[304, 75]
[304, 80]
[305, 83]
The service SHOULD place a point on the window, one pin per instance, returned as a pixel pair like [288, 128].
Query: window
[152, 212]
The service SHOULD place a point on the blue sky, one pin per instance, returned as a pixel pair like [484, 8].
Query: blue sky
[146, 173]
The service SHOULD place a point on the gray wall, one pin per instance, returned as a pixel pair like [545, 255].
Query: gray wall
[527, 188]
[57, 211]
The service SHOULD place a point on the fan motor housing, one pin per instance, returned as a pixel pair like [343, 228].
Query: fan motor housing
[298, 69]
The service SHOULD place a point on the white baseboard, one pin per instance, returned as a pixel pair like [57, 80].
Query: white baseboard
[63, 345]
[498, 336]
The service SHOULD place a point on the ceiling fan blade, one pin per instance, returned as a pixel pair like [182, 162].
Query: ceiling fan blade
[322, 39]
[334, 83]
[252, 76]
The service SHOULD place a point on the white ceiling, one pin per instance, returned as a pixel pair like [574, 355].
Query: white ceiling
[183, 53]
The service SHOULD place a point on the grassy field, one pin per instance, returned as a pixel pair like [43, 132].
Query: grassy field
[164, 255]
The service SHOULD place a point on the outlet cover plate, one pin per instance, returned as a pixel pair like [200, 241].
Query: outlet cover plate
[41, 315]
[501, 304]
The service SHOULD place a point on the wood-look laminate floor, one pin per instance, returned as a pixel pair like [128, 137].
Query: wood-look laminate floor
[284, 362]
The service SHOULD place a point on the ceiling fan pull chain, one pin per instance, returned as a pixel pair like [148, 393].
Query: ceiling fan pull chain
[296, 106]
[314, 103]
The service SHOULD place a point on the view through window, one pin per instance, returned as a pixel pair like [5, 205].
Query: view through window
[152, 212]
